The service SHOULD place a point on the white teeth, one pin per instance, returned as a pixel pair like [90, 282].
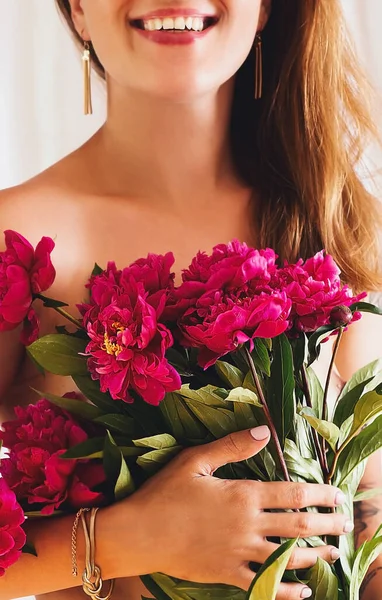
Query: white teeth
[197, 24]
[168, 23]
[189, 21]
[178, 24]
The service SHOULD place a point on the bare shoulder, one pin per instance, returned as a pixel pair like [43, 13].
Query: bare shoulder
[38, 206]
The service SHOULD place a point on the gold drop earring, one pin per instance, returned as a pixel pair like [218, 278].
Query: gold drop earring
[87, 69]
[258, 67]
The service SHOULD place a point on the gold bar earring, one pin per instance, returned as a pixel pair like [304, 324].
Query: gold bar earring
[258, 67]
[87, 68]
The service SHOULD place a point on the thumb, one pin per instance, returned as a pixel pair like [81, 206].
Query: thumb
[233, 448]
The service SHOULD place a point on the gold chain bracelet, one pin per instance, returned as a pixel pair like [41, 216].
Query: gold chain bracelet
[92, 583]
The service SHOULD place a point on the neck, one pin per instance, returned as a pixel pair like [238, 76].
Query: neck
[170, 150]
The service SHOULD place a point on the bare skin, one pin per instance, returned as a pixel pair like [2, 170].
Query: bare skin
[157, 176]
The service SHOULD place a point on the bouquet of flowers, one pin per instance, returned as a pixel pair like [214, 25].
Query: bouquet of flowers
[158, 367]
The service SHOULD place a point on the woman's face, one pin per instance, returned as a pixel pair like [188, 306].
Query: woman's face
[158, 47]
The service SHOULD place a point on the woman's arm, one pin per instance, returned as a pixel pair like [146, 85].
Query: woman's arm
[368, 517]
[361, 344]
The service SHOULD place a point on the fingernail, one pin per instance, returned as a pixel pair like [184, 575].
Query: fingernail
[306, 593]
[340, 498]
[349, 526]
[335, 554]
[260, 433]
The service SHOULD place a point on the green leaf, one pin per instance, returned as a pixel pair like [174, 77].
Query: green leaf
[366, 307]
[164, 587]
[156, 459]
[307, 468]
[124, 486]
[244, 416]
[204, 591]
[97, 270]
[117, 423]
[298, 346]
[322, 581]
[205, 395]
[316, 391]
[229, 374]
[368, 494]
[218, 421]
[281, 387]
[360, 448]
[364, 380]
[244, 396]
[29, 548]
[367, 408]
[260, 356]
[76, 407]
[112, 460]
[90, 389]
[184, 425]
[365, 556]
[315, 340]
[159, 442]
[92, 448]
[51, 303]
[326, 429]
[60, 354]
[266, 584]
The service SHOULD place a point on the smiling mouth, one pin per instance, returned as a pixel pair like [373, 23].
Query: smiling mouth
[176, 25]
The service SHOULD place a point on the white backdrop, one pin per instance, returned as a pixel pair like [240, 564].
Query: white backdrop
[41, 116]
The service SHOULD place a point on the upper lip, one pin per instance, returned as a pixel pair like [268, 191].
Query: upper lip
[173, 12]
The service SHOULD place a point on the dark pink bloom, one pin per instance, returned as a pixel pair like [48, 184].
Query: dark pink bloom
[31, 328]
[34, 471]
[12, 536]
[128, 341]
[218, 323]
[225, 300]
[23, 272]
[315, 288]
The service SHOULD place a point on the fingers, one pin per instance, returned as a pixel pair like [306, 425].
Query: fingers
[302, 558]
[287, 591]
[297, 495]
[304, 524]
[232, 448]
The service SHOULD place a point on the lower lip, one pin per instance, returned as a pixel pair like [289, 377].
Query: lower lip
[173, 39]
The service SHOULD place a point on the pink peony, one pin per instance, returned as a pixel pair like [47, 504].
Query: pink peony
[23, 273]
[315, 289]
[34, 471]
[128, 341]
[225, 300]
[12, 536]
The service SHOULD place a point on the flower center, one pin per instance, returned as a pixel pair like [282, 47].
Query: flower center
[109, 346]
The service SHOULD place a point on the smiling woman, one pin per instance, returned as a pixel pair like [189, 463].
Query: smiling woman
[189, 158]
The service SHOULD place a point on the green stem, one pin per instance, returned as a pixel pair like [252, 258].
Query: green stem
[268, 416]
[325, 412]
[316, 440]
[61, 311]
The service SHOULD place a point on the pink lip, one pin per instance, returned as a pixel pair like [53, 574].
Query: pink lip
[168, 38]
[172, 12]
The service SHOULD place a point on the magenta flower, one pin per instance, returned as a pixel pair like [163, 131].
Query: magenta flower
[12, 536]
[128, 341]
[23, 273]
[315, 289]
[34, 471]
[226, 300]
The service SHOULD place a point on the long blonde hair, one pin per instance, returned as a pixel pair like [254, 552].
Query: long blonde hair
[301, 144]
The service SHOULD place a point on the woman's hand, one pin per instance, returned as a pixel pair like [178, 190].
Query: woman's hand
[205, 529]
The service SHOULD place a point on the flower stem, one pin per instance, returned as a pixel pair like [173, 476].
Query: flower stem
[316, 440]
[60, 310]
[325, 412]
[263, 401]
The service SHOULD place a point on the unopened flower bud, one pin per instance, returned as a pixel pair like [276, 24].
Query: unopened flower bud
[341, 316]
